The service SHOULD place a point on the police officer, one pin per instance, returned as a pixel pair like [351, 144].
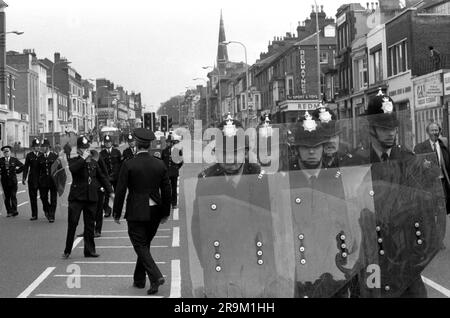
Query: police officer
[86, 180]
[131, 150]
[148, 205]
[46, 182]
[31, 170]
[112, 158]
[172, 167]
[9, 167]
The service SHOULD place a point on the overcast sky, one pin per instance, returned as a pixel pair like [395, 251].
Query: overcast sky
[152, 47]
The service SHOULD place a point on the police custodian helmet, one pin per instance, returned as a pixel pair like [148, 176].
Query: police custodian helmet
[309, 132]
[35, 143]
[381, 112]
[83, 142]
[328, 120]
[229, 128]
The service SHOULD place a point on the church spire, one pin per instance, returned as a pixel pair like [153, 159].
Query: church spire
[222, 53]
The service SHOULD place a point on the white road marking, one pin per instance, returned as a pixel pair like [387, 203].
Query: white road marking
[119, 231]
[23, 191]
[96, 276]
[123, 246]
[112, 262]
[22, 203]
[175, 281]
[76, 242]
[175, 214]
[95, 296]
[36, 283]
[176, 237]
[436, 286]
[126, 237]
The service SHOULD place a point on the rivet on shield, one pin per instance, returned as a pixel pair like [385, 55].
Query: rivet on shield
[217, 256]
[342, 237]
[301, 237]
[381, 252]
[259, 244]
[371, 193]
[305, 297]
[260, 262]
[302, 249]
[343, 246]
[380, 240]
[218, 268]
[298, 200]
[378, 229]
[259, 253]
[418, 233]
[416, 225]
[213, 207]
[387, 288]
[344, 255]
[419, 241]
[303, 261]
[216, 243]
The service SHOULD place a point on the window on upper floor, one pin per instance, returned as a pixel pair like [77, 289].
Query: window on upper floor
[257, 101]
[323, 57]
[13, 83]
[290, 85]
[360, 75]
[377, 61]
[8, 82]
[397, 58]
[270, 73]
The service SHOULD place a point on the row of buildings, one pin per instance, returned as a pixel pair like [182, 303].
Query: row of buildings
[44, 97]
[401, 47]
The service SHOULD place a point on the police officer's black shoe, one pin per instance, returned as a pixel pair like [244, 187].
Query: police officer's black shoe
[51, 220]
[107, 215]
[65, 256]
[97, 234]
[139, 285]
[33, 218]
[80, 235]
[154, 289]
[8, 215]
[92, 255]
[15, 213]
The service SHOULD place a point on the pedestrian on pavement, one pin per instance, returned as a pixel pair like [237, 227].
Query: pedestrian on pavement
[131, 150]
[46, 182]
[9, 167]
[113, 159]
[86, 179]
[31, 171]
[67, 150]
[148, 205]
[173, 168]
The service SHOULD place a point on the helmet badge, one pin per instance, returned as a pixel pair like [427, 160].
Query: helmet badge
[309, 124]
[229, 129]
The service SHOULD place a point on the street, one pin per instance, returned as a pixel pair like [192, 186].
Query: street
[31, 264]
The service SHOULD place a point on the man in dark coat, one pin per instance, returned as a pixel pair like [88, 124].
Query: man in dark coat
[86, 180]
[46, 182]
[172, 167]
[31, 171]
[131, 150]
[67, 150]
[113, 159]
[9, 167]
[148, 205]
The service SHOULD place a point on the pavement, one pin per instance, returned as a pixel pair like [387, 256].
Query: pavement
[31, 264]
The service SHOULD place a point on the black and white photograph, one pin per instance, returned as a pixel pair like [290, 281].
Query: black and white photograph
[241, 151]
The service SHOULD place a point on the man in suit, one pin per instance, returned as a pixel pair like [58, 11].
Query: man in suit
[172, 167]
[435, 145]
[9, 167]
[113, 159]
[148, 205]
[86, 180]
[131, 150]
[31, 170]
[46, 183]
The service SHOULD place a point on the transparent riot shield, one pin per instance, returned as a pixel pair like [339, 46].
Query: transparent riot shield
[402, 211]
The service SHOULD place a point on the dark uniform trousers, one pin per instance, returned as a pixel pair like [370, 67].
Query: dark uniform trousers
[89, 211]
[105, 199]
[49, 208]
[32, 192]
[99, 212]
[141, 235]
[173, 187]
[10, 191]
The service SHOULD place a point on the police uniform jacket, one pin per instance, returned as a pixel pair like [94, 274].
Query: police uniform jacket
[145, 178]
[112, 161]
[8, 172]
[127, 154]
[171, 166]
[31, 169]
[45, 169]
[86, 180]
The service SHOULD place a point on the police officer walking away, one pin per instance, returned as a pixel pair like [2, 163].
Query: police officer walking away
[86, 176]
[148, 205]
[31, 170]
[9, 167]
[46, 183]
[67, 150]
[112, 158]
[173, 168]
[131, 150]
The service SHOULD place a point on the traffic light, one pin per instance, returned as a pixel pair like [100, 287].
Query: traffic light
[147, 121]
[164, 123]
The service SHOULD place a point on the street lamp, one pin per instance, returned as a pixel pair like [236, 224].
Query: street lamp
[53, 96]
[206, 97]
[246, 70]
